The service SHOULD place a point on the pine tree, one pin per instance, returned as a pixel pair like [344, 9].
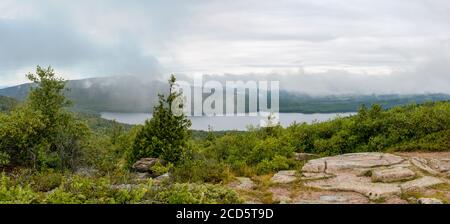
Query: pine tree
[166, 134]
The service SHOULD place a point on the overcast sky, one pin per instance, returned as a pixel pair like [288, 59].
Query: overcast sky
[317, 46]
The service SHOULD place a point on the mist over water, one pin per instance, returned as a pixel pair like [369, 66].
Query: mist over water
[221, 123]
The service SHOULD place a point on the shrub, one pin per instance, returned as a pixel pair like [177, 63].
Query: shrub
[202, 170]
[15, 194]
[198, 194]
[276, 164]
[83, 190]
[46, 180]
[41, 133]
[158, 169]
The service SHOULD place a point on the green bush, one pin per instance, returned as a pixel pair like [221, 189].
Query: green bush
[83, 190]
[198, 194]
[158, 169]
[251, 152]
[412, 127]
[15, 194]
[202, 170]
[42, 133]
[276, 164]
[46, 180]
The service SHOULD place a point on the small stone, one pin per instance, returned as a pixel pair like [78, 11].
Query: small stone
[284, 177]
[392, 175]
[429, 201]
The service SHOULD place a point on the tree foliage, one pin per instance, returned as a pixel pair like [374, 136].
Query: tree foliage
[41, 132]
[167, 133]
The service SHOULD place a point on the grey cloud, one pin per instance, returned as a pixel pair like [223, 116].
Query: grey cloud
[356, 46]
[54, 39]
[431, 76]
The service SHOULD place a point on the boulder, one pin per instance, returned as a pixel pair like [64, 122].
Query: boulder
[392, 175]
[429, 201]
[144, 165]
[284, 177]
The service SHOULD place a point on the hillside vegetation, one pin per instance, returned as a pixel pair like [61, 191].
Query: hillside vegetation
[7, 103]
[131, 94]
[51, 155]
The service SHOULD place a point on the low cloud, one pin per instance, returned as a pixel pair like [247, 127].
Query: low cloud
[315, 47]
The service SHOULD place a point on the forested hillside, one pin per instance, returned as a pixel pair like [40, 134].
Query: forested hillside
[131, 94]
[7, 103]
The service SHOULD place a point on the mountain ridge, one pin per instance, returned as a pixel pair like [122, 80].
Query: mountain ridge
[131, 94]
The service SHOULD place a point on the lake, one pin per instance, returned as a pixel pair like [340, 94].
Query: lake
[220, 123]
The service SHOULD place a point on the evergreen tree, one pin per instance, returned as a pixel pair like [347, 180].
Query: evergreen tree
[166, 134]
[41, 132]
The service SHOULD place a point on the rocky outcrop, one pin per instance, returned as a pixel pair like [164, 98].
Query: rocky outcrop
[394, 174]
[351, 182]
[316, 176]
[358, 178]
[351, 162]
[375, 175]
[330, 197]
[422, 164]
[421, 183]
[284, 177]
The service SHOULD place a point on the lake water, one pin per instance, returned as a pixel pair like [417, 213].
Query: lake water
[219, 123]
